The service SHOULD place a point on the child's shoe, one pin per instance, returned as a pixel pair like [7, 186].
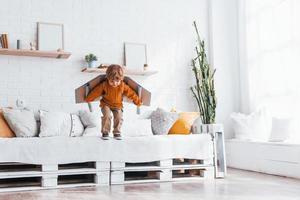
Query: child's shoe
[105, 136]
[117, 136]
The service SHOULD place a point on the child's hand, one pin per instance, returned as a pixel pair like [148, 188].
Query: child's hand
[139, 103]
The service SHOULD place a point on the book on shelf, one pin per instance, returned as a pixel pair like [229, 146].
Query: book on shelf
[4, 40]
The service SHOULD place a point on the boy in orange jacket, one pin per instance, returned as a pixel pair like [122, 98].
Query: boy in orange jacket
[112, 91]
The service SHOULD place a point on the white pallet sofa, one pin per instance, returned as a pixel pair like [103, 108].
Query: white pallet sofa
[162, 170]
[15, 176]
[277, 158]
[168, 168]
[56, 162]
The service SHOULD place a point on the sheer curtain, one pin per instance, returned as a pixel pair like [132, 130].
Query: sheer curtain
[270, 55]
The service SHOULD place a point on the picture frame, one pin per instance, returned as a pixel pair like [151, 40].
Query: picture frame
[135, 55]
[50, 36]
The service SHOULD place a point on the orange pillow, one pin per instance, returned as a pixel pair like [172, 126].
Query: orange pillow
[184, 123]
[5, 131]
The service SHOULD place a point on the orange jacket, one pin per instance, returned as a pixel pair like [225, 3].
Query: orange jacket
[113, 96]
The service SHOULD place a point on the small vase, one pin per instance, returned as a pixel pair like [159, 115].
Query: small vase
[92, 64]
[196, 127]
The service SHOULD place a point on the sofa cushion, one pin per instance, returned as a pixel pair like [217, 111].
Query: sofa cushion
[183, 124]
[281, 129]
[60, 124]
[49, 150]
[22, 122]
[134, 126]
[162, 121]
[255, 126]
[5, 130]
[91, 122]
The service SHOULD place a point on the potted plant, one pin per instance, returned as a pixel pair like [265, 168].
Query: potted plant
[91, 60]
[205, 95]
[204, 89]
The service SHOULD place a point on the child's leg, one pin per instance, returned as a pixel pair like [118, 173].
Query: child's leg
[106, 120]
[118, 119]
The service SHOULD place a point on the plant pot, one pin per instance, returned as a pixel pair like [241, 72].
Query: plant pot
[198, 127]
[92, 64]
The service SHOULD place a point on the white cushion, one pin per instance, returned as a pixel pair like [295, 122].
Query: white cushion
[196, 127]
[162, 121]
[91, 122]
[256, 126]
[92, 132]
[60, 124]
[22, 122]
[85, 149]
[134, 126]
[281, 129]
[146, 114]
[77, 126]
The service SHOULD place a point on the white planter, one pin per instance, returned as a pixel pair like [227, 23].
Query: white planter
[198, 127]
[92, 64]
[211, 128]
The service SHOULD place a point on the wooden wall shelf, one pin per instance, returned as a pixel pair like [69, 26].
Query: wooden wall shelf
[35, 53]
[127, 71]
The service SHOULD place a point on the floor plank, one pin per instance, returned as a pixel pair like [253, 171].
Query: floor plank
[239, 185]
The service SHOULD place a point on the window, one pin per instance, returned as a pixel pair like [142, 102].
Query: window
[271, 58]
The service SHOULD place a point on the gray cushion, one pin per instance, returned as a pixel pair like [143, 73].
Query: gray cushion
[91, 122]
[77, 126]
[162, 121]
[60, 124]
[22, 122]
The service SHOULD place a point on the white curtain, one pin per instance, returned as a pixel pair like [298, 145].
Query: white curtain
[270, 55]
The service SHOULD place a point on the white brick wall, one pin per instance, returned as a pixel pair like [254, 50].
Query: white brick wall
[101, 27]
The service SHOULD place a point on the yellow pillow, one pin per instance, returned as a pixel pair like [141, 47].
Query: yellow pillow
[5, 131]
[184, 123]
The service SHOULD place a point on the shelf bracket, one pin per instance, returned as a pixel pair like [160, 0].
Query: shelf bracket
[87, 91]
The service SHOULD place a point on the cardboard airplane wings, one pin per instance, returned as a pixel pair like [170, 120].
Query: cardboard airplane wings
[82, 91]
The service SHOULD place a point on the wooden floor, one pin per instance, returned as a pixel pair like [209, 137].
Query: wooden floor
[239, 185]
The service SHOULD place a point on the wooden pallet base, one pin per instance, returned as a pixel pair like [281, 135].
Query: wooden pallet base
[122, 177]
[160, 171]
[20, 177]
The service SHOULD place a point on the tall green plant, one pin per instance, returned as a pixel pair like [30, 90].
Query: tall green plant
[204, 89]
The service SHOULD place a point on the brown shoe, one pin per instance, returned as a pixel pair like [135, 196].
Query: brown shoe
[117, 136]
[105, 136]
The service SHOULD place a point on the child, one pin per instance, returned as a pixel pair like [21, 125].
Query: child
[112, 91]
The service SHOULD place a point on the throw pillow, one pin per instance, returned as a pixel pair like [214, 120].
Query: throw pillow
[146, 114]
[60, 124]
[91, 122]
[162, 121]
[183, 124]
[133, 126]
[77, 127]
[22, 122]
[281, 129]
[256, 126]
[196, 127]
[5, 130]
